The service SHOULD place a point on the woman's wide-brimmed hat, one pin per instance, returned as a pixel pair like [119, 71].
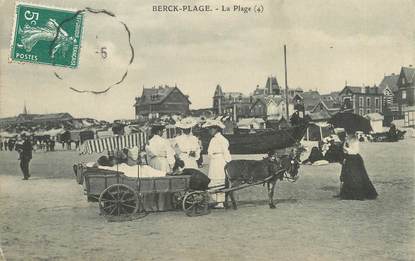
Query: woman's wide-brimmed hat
[213, 123]
[186, 123]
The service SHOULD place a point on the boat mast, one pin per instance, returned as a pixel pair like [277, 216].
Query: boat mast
[286, 85]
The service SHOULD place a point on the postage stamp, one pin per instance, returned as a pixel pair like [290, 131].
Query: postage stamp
[46, 35]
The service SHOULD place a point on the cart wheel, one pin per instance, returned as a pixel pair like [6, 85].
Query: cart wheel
[118, 199]
[178, 199]
[196, 203]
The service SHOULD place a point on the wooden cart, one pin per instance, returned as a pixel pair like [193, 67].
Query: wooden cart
[118, 194]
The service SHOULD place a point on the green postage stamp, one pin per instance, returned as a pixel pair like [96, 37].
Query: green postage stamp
[46, 35]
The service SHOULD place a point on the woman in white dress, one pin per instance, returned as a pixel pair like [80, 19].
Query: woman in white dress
[160, 155]
[219, 156]
[187, 145]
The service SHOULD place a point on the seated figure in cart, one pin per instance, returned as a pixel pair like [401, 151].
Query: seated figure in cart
[187, 145]
[160, 156]
[219, 156]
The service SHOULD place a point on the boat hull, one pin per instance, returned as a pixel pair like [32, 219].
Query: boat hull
[261, 142]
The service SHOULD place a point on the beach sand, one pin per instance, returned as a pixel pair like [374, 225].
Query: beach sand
[48, 217]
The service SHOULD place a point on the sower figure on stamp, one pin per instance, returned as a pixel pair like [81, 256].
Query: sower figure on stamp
[219, 156]
[25, 155]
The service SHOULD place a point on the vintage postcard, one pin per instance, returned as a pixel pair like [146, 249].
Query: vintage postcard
[207, 130]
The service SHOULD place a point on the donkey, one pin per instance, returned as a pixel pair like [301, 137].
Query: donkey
[271, 169]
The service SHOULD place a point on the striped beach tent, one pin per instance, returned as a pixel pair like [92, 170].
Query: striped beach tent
[115, 143]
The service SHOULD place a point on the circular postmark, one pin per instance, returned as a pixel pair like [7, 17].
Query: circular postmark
[106, 54]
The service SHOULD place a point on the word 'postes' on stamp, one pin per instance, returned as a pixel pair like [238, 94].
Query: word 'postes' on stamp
[47, 36]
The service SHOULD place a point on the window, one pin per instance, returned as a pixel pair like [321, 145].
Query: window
[361, 112]
[377, 110]
[368, 102]
[404, 94]
[367, 111]
[347, 103]
[377, 105]
[361, 101]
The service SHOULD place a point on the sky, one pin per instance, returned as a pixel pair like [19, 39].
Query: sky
[328, 43]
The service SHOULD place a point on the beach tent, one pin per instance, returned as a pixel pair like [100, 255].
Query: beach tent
[317, 131]
[350, 122]
[115, 143]
[376, 121]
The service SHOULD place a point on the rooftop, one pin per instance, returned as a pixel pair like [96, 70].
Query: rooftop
[389, 81]
[156, 95]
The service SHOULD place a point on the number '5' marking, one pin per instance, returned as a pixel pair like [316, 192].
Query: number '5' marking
[31, 15]
[104, 53]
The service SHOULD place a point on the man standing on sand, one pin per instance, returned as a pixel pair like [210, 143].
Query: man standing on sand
[25, 155]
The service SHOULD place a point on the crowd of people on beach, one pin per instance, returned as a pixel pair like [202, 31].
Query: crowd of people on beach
[44, 145]
[170, 156]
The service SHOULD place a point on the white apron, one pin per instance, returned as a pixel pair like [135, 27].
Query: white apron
[219, 155]
[184, 145]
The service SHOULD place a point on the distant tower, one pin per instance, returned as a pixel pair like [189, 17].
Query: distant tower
[272, 87]
[218, 98]
[24, 109]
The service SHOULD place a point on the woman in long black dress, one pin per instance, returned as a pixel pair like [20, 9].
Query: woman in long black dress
[355, 181]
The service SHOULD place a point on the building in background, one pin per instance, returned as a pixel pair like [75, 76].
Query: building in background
[223, 102]
[361, 100]
[266, 102]
[406, 88]
[270, 108]
[306, 101]
[163, 100]
[26, 119]
[389, 88]
[324, 110]
[271, 88]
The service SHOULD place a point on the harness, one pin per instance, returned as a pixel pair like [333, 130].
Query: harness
[286, 175]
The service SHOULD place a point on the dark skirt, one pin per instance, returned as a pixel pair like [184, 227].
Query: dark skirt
[356, 182]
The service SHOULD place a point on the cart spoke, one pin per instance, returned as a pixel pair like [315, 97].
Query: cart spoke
[124, 193]
[108, 200]
[112, 211]
[110, 193]
[192, 205]
[109, 206]
[190, 199]
[109, 209]
[128, 205]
